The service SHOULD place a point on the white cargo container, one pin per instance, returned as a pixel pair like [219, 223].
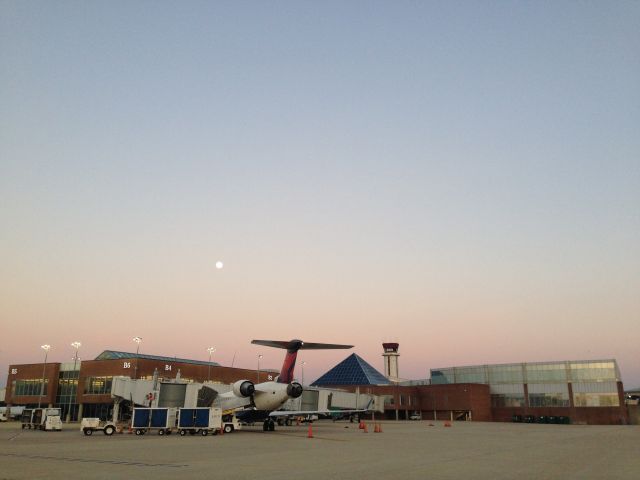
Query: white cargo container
[42, 419]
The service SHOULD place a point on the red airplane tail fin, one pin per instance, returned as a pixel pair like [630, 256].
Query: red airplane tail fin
[292, 347]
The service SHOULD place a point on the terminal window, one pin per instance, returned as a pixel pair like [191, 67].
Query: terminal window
[506, 400]
[29, 387]
[596, 400]
[98, 385]
[548, 400]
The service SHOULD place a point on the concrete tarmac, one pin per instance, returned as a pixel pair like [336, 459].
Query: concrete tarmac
[407, 450]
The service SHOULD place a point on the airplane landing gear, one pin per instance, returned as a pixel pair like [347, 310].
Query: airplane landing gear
[268, 425]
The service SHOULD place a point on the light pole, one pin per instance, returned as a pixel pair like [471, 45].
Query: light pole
[44, 366]
[138, 340]
[210, 350]
[75, 345]
[303, 364]
[259, 357]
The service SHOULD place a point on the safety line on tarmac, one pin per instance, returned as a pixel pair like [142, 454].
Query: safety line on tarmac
[88, 460]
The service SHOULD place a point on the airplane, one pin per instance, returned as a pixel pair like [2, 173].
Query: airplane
[260, 402]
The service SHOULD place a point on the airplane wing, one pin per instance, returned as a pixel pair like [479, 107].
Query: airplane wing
[287, 413]
[283, 413]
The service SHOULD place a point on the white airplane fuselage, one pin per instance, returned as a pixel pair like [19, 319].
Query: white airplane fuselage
[267, 396]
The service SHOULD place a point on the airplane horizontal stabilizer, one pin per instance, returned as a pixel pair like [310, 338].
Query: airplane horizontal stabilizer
[299, 345]
[324, 346]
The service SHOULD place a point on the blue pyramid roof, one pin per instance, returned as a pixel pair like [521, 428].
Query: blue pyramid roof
[353, 370]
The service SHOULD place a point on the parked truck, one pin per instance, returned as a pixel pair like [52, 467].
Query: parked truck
[163, 420]
[41, 419]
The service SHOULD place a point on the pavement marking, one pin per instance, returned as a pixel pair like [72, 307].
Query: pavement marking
[11, 438]
[89, 460]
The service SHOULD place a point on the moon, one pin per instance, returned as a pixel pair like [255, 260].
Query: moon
[219, 264]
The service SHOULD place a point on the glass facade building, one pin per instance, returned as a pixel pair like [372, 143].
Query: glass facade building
[66, 395]
[591, 383]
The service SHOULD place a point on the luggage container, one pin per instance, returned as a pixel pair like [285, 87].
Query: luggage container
[42, 419]
[163, 420]
[202, 420]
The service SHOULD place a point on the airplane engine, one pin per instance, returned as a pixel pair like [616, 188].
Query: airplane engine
[243, 388]
[294, 389]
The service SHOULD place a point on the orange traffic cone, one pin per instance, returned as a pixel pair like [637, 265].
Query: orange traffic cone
[447, 423]
[361, 425]
[379, 428]
[366, 429]
[376, 428]
[310, 432]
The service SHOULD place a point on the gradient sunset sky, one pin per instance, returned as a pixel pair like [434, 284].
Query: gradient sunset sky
[460, 177]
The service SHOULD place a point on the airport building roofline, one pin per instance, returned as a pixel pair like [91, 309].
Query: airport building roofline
[115, 355]
[526, 363]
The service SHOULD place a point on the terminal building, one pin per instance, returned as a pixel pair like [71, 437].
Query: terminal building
[586, 391]
[583, 392]
[83, 388]
[580, 391]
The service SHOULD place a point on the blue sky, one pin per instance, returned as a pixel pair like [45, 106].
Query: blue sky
[366, 170]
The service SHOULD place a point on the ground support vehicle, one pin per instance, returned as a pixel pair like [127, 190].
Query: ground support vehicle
[12, 413]
[230, 423]
[90, 425]
[42, 419]
[202, 420]
[162, 420]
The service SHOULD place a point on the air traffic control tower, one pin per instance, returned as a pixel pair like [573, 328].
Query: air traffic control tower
[391, 360]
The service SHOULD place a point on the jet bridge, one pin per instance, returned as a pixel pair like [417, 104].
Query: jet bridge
[157, 394]
[321, 399]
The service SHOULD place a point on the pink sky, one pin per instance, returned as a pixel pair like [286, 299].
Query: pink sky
[180, 308]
